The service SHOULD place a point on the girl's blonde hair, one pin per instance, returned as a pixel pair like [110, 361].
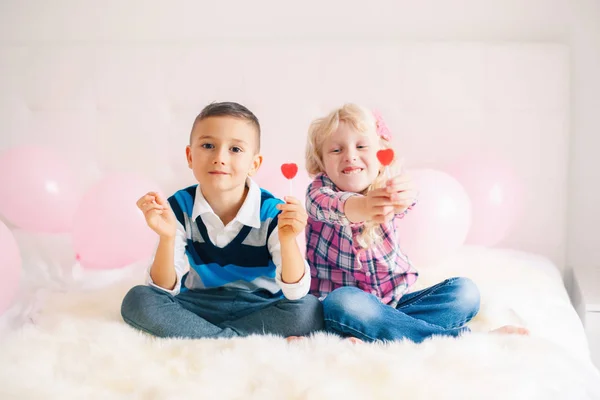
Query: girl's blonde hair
[363, 121]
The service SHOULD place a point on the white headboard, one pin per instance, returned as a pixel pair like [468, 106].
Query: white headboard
[129, 107]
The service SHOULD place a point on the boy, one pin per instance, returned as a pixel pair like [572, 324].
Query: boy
[246, 272]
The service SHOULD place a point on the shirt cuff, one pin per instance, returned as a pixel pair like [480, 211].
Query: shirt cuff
[342, 207]
[406, 211]
[296, 291]
[174, 292]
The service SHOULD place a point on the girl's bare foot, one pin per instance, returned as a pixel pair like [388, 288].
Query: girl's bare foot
[353, 340]
[511, 330]
[291, 339]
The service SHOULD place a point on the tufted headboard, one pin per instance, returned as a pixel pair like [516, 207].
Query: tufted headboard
[111, 106]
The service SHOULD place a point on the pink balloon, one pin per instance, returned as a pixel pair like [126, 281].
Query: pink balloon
[10, 268]
[37, 190]
[494, 191]
[109, 230]
[440, 221]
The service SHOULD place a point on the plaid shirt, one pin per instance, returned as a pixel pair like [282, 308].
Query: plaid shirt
[336, 259]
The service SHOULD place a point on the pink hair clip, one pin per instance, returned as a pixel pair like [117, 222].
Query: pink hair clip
[382, 129]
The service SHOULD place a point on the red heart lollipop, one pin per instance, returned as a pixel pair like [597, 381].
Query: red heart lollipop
[289, 170]
[385, 156]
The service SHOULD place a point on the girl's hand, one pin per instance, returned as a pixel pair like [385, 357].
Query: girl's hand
[378, 206]
[402, 192]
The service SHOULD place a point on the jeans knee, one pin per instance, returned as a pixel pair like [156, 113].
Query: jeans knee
[133, 304]
[351, 302]
[467, 296]
[310, 313]
[338, 299]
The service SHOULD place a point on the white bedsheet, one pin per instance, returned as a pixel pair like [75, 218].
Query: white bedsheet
[516, 288]
[76, 346]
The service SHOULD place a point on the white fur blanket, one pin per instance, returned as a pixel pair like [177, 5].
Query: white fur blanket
[77, 347]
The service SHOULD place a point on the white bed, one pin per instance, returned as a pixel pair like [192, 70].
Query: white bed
[77, 346]
[112, 96]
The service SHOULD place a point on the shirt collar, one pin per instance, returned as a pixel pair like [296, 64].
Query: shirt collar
[249, 213]
[327, 181]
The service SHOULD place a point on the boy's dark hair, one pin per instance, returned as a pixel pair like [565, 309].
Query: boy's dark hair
[228, 109]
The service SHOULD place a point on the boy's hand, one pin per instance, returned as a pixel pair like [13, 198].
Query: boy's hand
[402, 192]
[292, 220]
[158, 214]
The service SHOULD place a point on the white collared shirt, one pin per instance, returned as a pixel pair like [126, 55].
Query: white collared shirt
[221, 235]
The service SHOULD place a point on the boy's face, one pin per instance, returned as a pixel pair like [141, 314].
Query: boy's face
[350, 158]
[223, 152]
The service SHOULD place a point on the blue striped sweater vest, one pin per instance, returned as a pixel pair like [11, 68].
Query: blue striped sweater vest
[245, 263]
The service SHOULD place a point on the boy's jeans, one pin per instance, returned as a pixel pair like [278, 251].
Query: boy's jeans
[442, 309]
[219, 313]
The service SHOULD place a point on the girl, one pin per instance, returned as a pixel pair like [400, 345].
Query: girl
[352, 245]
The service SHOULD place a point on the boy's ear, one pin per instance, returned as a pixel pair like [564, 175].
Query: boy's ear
[188, 155]
[256, 163]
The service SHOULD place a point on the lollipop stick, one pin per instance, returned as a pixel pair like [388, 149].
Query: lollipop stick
[401, 166]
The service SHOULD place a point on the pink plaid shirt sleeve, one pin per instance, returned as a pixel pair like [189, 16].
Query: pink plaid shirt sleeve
[326, 205]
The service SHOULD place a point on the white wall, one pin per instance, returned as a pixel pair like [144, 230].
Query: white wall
[574, 22]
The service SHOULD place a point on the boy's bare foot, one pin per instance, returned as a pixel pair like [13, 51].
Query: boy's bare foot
[291, 339]
[511, 330]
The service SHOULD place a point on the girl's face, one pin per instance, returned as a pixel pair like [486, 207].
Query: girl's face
[350, 158]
